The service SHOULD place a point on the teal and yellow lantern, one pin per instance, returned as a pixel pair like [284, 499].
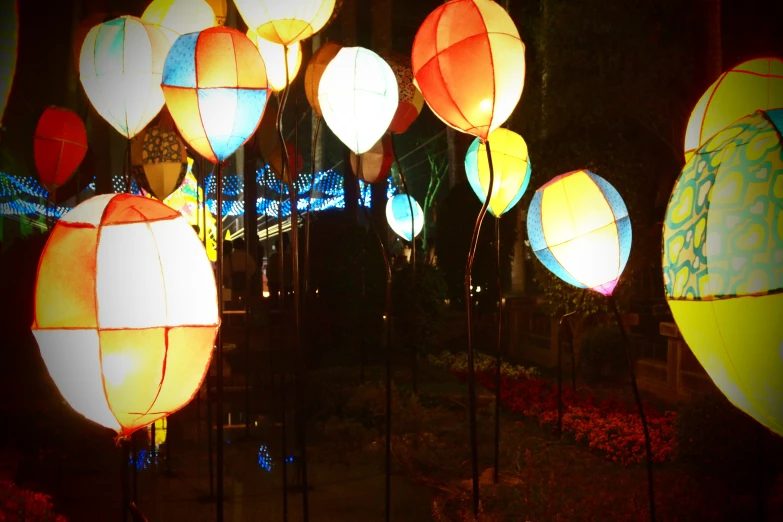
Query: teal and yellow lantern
[578, 227]
[511, 168]
[723, 262]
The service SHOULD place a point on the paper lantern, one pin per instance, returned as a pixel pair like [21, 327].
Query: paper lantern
[164, 160]
[9, 40]
[358, 97]
[398, 215]
[511, 166]
[272, 54]
[295, 162]
[723, 262]
[375, 163]
[750, 86]
[120, 68]
[410, 99]
[178, 17]
[188, 200]
[125, 310]
[216, 90]
[59, 146]
[578, 227]
[315, 70]
[285, 22]
[469, 64]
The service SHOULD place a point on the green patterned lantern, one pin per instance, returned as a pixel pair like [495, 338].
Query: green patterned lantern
[723, 262]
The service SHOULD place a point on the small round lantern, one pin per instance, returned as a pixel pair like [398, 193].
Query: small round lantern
[273, 54]
[178, 17]
[358, 97]
[410, 99]
[398, 215]
[578, 227]
[376, 163]
[120, 68]
[59, 146]
[469, 64]
[216, 90]
[723, 262]
[511, 166]
[164, 161]
[315, 70]
[285, 22]
[276, 162]
[750, 86]
[125, 310]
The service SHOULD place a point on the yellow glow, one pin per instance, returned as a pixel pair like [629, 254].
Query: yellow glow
[126, 97]
[511, 167]
[750, 86]
[161, 430]
[266, 293]
[285, 22]
[178, 17]
[358, 95]
[121, 295]
[272, 54]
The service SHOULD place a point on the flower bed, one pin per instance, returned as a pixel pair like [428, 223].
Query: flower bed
[609, 425]
[21, 505]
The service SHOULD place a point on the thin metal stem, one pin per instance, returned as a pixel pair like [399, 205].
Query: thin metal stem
[560, 370]
[497, 360]
[414, 348]
[310, 211]
[647, 444]
[388, 343]
[219, 341]
[471, 369]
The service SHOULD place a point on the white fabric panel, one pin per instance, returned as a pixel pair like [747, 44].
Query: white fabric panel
[129, 278]
[89, 211]
[73, 360]
[191, 294]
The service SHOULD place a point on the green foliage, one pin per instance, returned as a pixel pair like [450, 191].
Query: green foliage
[458, 362]
[417, 312]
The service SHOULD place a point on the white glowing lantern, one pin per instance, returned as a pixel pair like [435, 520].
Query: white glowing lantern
[285, 21]
[120, 67]
[398, 215]
[178, 17]
[272, 53]
[358, 96]
[125, 310]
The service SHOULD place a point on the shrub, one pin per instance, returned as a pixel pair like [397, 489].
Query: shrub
[482, 362]
[21, 505]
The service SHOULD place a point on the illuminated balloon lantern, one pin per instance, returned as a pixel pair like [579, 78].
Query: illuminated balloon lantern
[120, 68]
[511, 166]
[315, 70]
[9, 40]
[358, 97]
[276, 162]
[164, 160]
[376, 163]
[411, 101]
[125, 310]
[59, 146]
[578, 227]
[216, 90]
[751, 86]
[178, 17]
[469, 64]
[272, 54]
[285, 22]
[723, 262]
[398, 214]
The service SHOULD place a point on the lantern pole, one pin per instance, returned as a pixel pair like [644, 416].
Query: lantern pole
[647, 444]
[414, 350]
[219, 342]
[497, 360]
[560, 369]
[471, 371]
[310, 211]
[386, 340]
